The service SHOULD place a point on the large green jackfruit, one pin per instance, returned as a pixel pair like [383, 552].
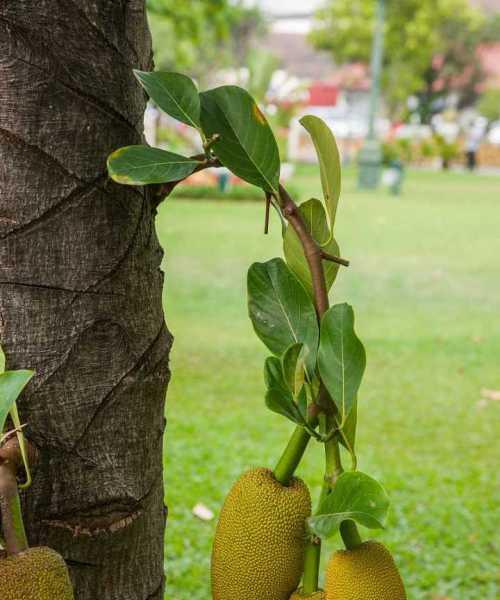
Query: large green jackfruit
[258, 550]
[367, 572]
[36, 574]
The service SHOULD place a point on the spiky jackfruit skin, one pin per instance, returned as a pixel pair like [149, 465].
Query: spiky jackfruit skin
[366, 573]
[298, 595]
[258, 551]
[37, 574]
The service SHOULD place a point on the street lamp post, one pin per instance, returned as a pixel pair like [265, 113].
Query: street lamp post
[370, 155]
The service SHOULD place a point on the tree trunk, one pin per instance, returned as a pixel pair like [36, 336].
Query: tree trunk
[80, 289]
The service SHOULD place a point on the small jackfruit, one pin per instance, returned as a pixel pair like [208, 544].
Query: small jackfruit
[298, 595]
[36, 574]
[367, 572]
[259, 543]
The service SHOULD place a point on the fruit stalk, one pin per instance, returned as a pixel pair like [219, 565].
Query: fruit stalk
[292, 456]
[10, 508]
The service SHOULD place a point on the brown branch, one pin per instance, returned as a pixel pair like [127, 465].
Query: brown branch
[162, 190]
[335, 259]
[312, 251]
[266, 219]
[314, 256]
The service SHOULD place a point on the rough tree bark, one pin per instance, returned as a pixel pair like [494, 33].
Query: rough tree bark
[80, 289]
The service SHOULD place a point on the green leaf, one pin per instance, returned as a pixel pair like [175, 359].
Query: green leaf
[314, 217]
[341, 358]
[175, 94]
[141, 165]
[356, 497]
[348, 433]
[293, 367]
[247, 146]
[2, 361]
[282, 403]
[281, 311]
[11, 385]
[329, 162]
[279, 398]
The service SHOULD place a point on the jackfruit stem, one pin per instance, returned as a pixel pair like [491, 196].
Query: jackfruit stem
[312, 557]
[292, 456]
[350, 535]
[10, 509]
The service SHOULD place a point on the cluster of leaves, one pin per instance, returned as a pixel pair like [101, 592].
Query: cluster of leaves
[305, 353]
[416, 33]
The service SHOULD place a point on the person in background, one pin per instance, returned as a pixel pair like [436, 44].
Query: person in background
[472, 143]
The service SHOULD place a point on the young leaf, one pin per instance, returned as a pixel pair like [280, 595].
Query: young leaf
[174, 93]
[341, 358]
[348, 433]
[11, 385]
[282, 403]
[141, 165]
[2, 361]
[281, 311]
[293, 367]
[314, 218]
[247, 146]
[279, 398]
[356, 497]
[329, 162]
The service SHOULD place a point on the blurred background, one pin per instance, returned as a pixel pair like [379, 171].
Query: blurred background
[411, 90]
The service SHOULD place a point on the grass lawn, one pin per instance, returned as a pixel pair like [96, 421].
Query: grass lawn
[425, 284]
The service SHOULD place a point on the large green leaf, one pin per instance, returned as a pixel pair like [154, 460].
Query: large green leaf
[314, 217]
[341, 358]
[11, 385]
[281, 311]
[355, 497]
[174, 93]
[329, 161]
[142, 165]
[247, 146]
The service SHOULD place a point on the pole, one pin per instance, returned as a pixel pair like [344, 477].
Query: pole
[370, 156]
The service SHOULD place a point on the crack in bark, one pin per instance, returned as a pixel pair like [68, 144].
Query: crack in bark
[76, 195]
[78, 529]
[105, 400]
[70, 350]
[120, 261]
[71, 562]
[104, 38]
[115, 517]
[107, 109]
[40, 151]
[56, 288]
[157, 591]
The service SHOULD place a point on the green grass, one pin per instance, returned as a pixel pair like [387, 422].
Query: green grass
[425, 286]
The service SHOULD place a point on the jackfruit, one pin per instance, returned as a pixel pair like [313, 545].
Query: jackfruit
[36, 574]
[367, 572]
[259, 543]
[298, 595]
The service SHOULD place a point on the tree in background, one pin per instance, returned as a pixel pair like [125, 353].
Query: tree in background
[201, 36]
[489, 105]
[431, 46]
